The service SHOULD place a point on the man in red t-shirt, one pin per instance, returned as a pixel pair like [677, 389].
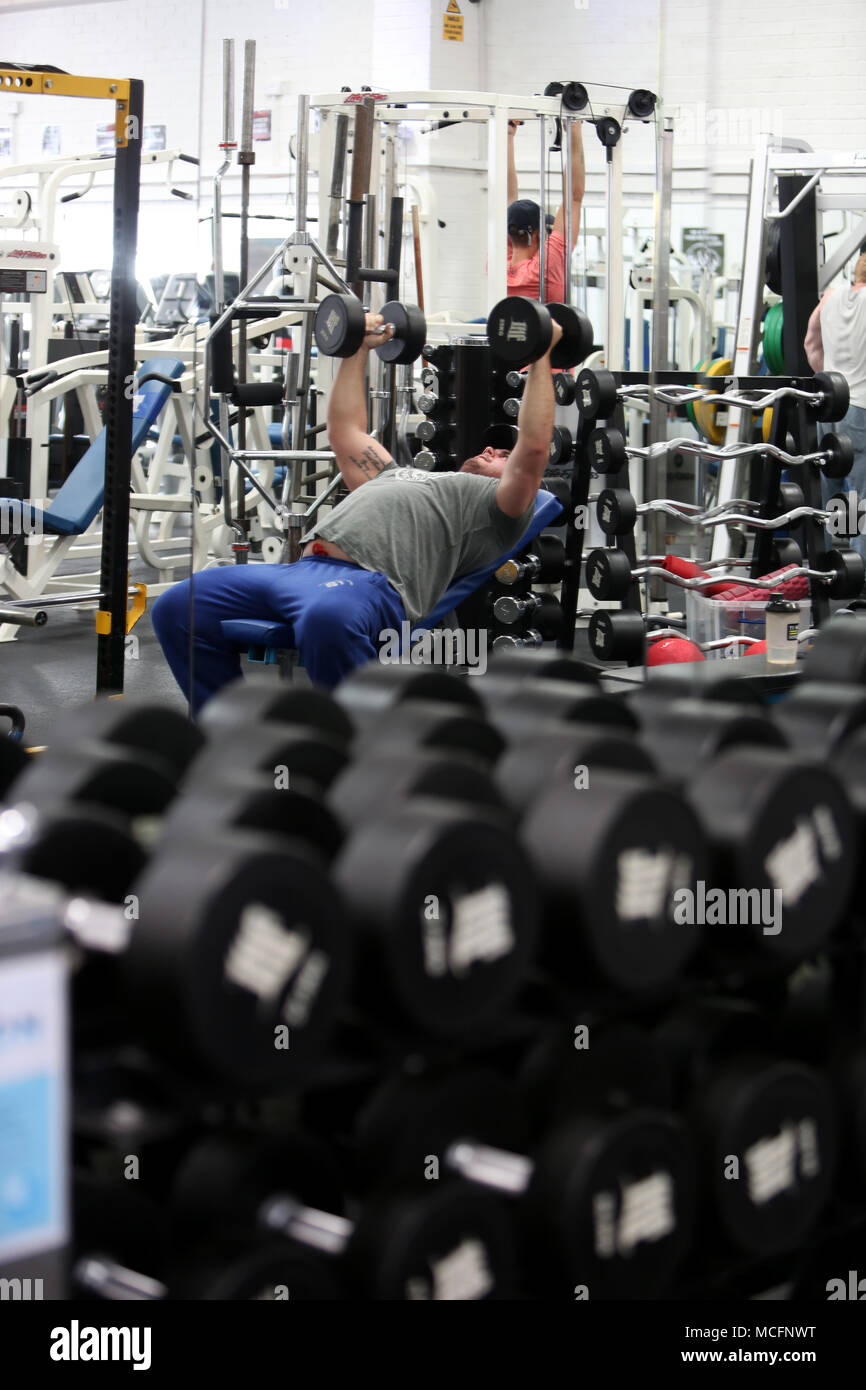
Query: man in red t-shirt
[523, 224]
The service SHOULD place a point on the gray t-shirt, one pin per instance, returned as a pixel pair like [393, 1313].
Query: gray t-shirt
[421, 530]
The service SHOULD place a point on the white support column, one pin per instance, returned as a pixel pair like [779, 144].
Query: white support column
[614, 347]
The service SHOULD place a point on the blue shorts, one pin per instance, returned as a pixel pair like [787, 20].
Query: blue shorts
[336, 611]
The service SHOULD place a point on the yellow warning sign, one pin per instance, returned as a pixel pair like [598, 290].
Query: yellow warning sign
[452, 22]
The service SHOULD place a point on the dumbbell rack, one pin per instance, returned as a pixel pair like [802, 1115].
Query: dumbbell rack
[793, 430]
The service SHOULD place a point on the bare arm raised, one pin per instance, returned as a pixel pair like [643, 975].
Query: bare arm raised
[359, 456]
[524, 469]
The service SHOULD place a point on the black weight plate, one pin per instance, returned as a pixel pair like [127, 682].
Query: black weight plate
[370, 783]
[338, 327]
[576, 341]
[848, 570]
[839, 452]
[848, 760]
[308, 753]
[552, 752]
[617, 1197]
[564, 388]
[428, 724]
[84, 848]
[684, 734]
[120, 779]
[836, 396]
[606, 449]
[248, 702]
[134, 724]
[518, 666]
[608, 574]
[617, 636]
[611, 858]
[410, 333]
[819, 715]
[255, 802]
[455, 1242]
[409, 1121]
[518, 330]
[236, 939]
[838, 653]
[519, 715]
[596, 394]
[784, 825]
[447, 902]
[257, 1271]
[778, 1121]
[379, 685]
[616, 510]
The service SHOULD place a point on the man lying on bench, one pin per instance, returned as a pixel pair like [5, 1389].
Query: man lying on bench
[387, 553]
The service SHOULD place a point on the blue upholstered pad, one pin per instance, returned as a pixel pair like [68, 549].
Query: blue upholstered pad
[80, 498]
[250, 632]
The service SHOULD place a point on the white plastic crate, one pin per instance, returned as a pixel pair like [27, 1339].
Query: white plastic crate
[710, 620]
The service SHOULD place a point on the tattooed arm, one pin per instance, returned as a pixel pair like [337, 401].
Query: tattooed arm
[359, 456]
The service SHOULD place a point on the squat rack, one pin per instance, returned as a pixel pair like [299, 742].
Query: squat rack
[128, 97]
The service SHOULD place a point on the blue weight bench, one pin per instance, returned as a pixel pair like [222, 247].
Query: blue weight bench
[78, 501]
[265, 640]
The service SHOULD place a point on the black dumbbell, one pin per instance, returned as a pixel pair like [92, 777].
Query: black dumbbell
[765, 1126]
[127, 780]
[515, 705]
[564, 388]
[530, 640]
[818, 716]
[553, 751]
[597, 393]
[518, 667]
[225, 972]
[608, 574]
[606, 450]
[379, 686]
[516, 382]
[274, 750]
[616, 510]
[374, 780]
[445, 904]
[605, 1201]
[612, 851]
[618, 636]
[428, 724]
[133, 724]
[511, 407]
[430, 430]
[838, 652]
[247, 702]
[543, 563]
[561, 446]
[781, 828]
[451, 1242]
[119, 1233]
[542, 611]
[520, 332]
[339, 328]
